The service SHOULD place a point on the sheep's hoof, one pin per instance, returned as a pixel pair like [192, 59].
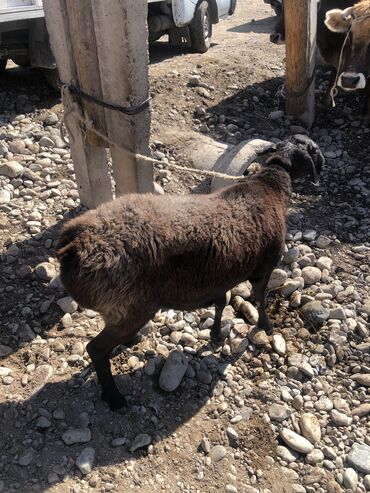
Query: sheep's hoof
[115, 402]
[217, 342]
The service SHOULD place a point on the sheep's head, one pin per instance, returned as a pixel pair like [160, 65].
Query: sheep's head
[300, 156]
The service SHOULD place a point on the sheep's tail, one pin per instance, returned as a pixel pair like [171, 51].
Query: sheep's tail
[67, 240]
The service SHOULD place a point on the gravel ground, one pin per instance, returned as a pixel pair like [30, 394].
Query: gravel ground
[286, 413]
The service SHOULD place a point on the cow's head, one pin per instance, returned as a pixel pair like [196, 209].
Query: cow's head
[355, 65]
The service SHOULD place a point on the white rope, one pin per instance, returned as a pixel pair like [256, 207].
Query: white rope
[72, 108]
[334, 90]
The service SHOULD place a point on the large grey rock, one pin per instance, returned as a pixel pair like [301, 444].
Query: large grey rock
[362, 379]
[286, 454]
[277, 278]
[46, 142]
[366, 307]
[18, 147]
[5, 350]
[350, 479]
[324, 404]
[77, 435]
[246, 308]
[359, 457]
[46, 271]
[279, 412]
[301, 362]
[310, 427]
[140, 441]
[26, 458]
[291, 255]
[4, 371]
[67, 304]
[309, 235]
[217, 453]
[314, 457]
[323, 241]
[51, 118]
[279, 344]
[315, 313]
[258, 337]
[173, 371]
[289, 287]
[5, 196]
[296, 442]
[311, 275]
[362, 410]
[337, 313]
[340, 419]
[11, 169]
[85, 460]
[324, 263]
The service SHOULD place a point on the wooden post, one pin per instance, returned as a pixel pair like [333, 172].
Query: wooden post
[121, 38]
[90, 162]
[300, 40]
[101, 47]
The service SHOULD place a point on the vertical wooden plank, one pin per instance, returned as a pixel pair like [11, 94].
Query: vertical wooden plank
[300, 40]
[85, 56]
[121, 38]
[90, 162]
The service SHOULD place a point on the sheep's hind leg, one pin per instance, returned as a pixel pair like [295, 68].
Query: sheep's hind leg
[99, 350]
[259, 289]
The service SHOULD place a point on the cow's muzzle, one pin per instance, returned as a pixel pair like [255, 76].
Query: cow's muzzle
[352, 81]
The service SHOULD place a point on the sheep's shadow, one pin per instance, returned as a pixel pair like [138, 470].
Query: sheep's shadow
[162, 50]
[255, 26]
[76, 403]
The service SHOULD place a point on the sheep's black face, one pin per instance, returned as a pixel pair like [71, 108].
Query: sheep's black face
[300, 156]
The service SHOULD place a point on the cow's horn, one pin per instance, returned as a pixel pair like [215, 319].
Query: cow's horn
[347, 13]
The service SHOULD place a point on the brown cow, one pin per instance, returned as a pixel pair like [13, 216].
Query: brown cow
[341, 23]
[354, 68]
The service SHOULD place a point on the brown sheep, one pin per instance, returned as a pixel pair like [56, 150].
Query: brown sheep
[139, 253]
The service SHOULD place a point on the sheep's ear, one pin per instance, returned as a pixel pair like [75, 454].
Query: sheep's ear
[338, 20]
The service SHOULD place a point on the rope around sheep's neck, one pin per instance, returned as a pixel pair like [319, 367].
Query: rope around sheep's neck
[72, 108]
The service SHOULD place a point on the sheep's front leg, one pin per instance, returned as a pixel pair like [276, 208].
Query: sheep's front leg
[259, 288]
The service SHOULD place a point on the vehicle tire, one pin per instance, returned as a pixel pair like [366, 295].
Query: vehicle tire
[51, 76]
[201, 28]
[3, 62]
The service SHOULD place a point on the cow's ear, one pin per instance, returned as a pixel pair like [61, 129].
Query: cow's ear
[337, 20]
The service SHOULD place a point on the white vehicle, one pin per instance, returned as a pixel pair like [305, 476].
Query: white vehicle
[24, 38]
[187, 21]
